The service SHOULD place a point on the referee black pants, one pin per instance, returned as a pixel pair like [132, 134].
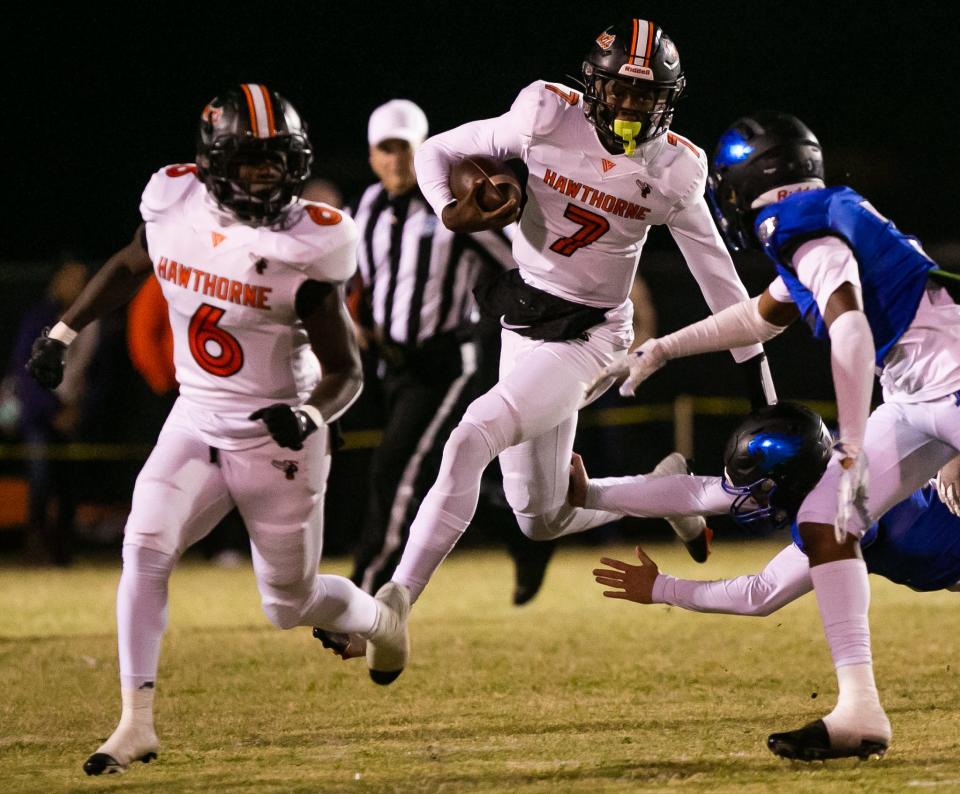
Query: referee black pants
[426, 391]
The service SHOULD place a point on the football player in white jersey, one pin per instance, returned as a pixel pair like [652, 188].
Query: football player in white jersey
[604, 168]
[265, 358]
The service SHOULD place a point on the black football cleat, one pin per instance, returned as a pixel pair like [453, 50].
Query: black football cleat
[345, 646]
[334, 640]
[100, 763]
[699, 547]
[812, 743]
[530, 561]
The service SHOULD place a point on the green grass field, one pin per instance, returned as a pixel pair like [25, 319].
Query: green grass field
[571, 693]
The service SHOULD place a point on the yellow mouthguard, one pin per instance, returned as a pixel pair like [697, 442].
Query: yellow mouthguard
[627, 131]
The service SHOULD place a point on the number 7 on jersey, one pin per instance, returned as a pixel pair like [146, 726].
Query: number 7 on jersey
[592, 228]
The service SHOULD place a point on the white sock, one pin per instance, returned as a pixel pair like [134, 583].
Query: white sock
[134, 735]
[141, 613]
[433, 535]
[843, 595]
[137, 707]
[339, 605]
[447, 509]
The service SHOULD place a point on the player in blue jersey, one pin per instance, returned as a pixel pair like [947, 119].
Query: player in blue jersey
[771, 462]
[868, 288]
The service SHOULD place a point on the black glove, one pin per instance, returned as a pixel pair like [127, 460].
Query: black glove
[47, 358]
[288, 426]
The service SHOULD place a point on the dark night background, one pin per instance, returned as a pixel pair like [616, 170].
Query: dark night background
[98, 98]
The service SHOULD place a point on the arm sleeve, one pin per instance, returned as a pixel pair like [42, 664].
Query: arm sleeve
[706, 256]
[734, 326]
[784, 579]
[502, 138]
[658, 497]
[823, 265]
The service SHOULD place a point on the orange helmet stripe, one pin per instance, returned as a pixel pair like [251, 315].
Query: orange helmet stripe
[252, 109]
[633, 42]
[271, 125]
[650, 36]
[261, 110]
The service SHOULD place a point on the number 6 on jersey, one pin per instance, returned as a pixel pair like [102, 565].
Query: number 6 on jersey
[592, 228]
[204, 330]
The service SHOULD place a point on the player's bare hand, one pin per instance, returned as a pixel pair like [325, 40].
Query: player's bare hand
[577, 490]
[466, 216]
[632, 582]
[948, 486]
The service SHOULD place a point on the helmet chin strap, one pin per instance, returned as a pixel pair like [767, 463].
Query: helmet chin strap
[627, 132]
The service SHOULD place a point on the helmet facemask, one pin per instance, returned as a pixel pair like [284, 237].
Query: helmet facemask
[257, 179]
[253, 154]
[627, 113]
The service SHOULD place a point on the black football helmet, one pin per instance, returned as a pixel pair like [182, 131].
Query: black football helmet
[633, 58]
[772, 461]
[250, 125]
[757, 154]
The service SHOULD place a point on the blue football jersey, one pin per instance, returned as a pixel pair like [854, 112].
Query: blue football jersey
[916, 543]
[893, 268]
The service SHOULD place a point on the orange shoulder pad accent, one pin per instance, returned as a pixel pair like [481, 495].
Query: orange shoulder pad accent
[181, 170]
[570, 97]
[323, 216]
[673, 139]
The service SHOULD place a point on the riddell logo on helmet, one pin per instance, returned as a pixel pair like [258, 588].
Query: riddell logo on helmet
[605, 40]
[637, 71]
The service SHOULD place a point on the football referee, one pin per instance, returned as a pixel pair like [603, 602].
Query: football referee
[417, 313]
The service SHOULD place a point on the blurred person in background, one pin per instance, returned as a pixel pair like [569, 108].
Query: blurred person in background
[52, 417]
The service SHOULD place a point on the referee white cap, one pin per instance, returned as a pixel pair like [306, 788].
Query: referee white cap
[398, 118]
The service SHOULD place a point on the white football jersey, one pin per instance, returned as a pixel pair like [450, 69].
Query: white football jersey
[588, 211]
[230, 288]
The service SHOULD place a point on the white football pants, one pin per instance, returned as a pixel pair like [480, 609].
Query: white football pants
[529, 419]
[184, 490]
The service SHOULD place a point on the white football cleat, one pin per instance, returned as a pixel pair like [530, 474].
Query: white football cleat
[692, 530]
[128, 743]
[388, 647]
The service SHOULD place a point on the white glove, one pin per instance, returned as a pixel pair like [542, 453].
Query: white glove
[636, 367]
[947, 491]
[852, 494]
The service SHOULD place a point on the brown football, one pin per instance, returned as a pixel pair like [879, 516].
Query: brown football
[500, 183]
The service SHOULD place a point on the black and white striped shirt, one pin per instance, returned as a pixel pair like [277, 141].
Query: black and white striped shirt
[420, 274]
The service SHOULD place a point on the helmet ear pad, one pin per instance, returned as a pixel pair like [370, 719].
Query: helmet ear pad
[234, 132]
